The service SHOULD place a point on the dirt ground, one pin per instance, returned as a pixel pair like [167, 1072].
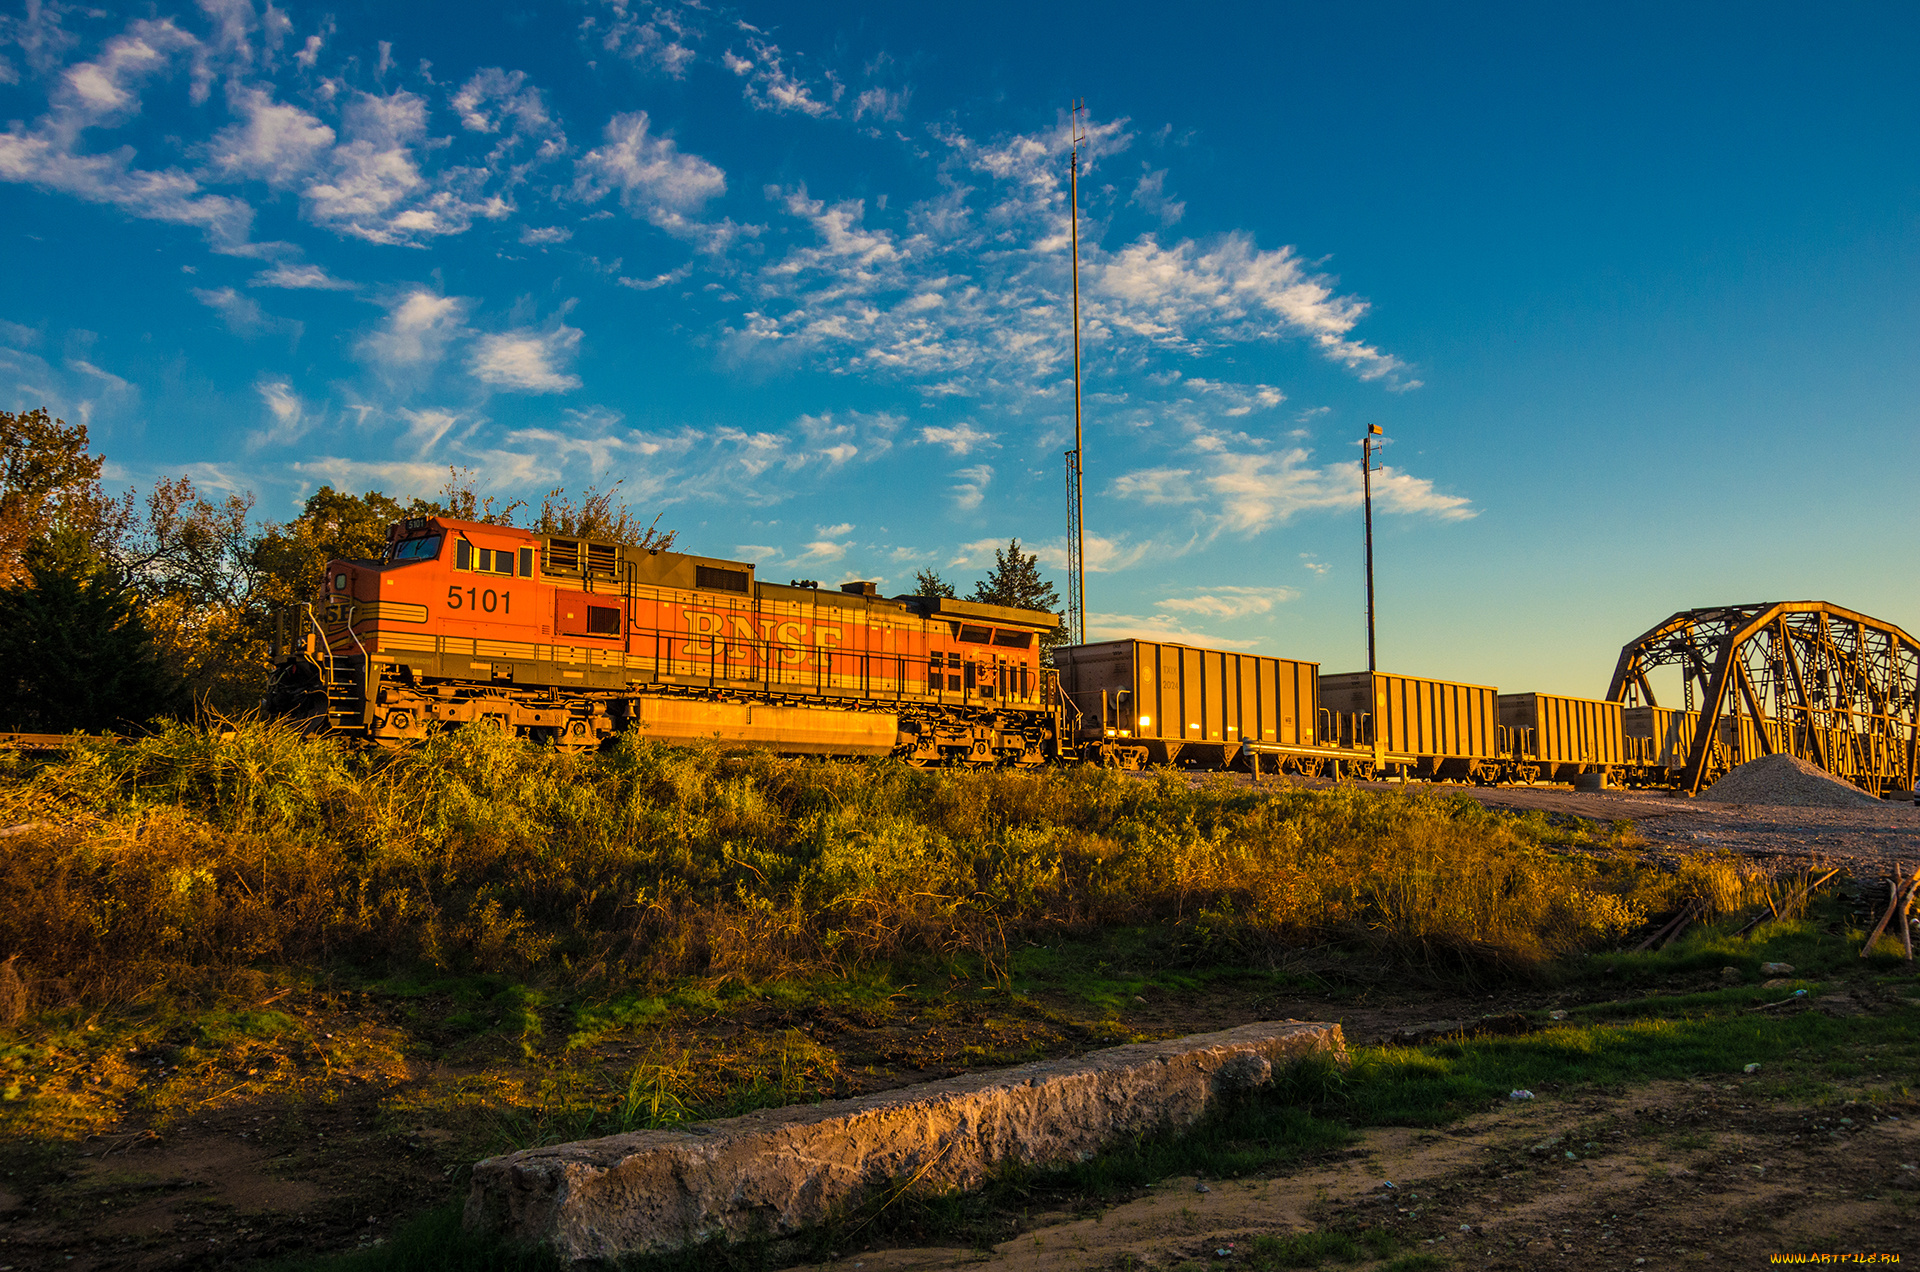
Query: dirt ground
[1664, 1176]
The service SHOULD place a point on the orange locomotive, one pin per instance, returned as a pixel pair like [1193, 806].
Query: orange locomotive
[570, 640]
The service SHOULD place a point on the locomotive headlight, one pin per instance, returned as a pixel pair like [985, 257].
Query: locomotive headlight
[339, 582]
[1145, 721]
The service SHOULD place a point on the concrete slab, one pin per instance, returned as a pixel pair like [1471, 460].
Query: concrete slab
[781, 1170]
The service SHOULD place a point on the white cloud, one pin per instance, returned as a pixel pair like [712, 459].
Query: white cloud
[834, 532]
[52, 155]
[966, 292]
[881, 103]
[769, 86]
[418, 327]
[1150, 194]
[402, 479]
[1308, 563]
[821, 551]
[1103, 555]
[492, 99]
[288, 418]
[1190, 297]
[527, 359]
[655, 180]
[300, 277]
[1239, 399]
[1161, 627]
[243, 314]
[655, 35]
[667, 279]
[971, 488]
[534, 236]
[961, 439]
[1245, 489]
[375, 170]
[1229, 602]
[274, 142]
[106, 379]
[425, 428]
[14, 334]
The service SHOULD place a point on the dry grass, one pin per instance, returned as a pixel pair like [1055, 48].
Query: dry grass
[187, 859]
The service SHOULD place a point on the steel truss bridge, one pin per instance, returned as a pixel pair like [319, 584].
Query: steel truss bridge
[1801, 678]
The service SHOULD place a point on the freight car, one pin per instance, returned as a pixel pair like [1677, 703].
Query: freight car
[571, 640]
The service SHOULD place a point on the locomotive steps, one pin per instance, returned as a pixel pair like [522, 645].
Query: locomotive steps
[775, 1172]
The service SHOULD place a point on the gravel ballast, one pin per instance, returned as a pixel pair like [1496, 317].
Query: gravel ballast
[1787, 780]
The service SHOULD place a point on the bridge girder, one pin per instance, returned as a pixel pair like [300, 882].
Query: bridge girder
[1841, 688]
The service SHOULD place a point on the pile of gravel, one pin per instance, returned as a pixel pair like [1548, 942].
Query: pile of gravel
[1786, 779]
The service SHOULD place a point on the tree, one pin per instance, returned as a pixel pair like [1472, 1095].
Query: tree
[75, 647]
[47, 475]
[332, 523]
[929, 583]
[600, 515]
[1015, 580]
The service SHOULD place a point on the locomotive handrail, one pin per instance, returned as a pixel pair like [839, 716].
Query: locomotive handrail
[325, 642]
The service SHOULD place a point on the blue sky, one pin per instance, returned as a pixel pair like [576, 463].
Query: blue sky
[1632, 290]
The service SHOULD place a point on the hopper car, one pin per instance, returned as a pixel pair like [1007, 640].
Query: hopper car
[570, 640]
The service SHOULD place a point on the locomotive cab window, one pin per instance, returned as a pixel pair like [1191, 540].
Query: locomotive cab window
[977, 635]
[422, 549]
[1012, 640]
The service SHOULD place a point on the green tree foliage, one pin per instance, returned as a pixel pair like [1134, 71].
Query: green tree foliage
[332, 524]
[929, 583]
[75, 646]
[600, 515]
[48, 477]
[1015, 580]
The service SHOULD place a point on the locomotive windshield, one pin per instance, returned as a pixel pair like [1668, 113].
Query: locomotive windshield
[425, 548]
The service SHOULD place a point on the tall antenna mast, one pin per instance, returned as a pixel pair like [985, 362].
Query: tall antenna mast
[1076, 520]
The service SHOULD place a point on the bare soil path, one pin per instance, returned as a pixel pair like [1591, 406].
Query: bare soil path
[1672, 1175]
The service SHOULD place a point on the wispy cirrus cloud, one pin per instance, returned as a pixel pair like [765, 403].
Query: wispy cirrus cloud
[300, 278]
[419, 327]
[655, 181]
[958, 439]
[768, 84]
[658, 36]
[1162, 627]
[288, 419]
[966, 292]
[1237, 485]
[526, 360]
[243, 314]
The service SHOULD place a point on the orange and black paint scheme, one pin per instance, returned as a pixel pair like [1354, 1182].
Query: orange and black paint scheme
[571, 640]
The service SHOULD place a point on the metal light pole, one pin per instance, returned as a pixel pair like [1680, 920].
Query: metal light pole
[1076, 458]
[1366, 487]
